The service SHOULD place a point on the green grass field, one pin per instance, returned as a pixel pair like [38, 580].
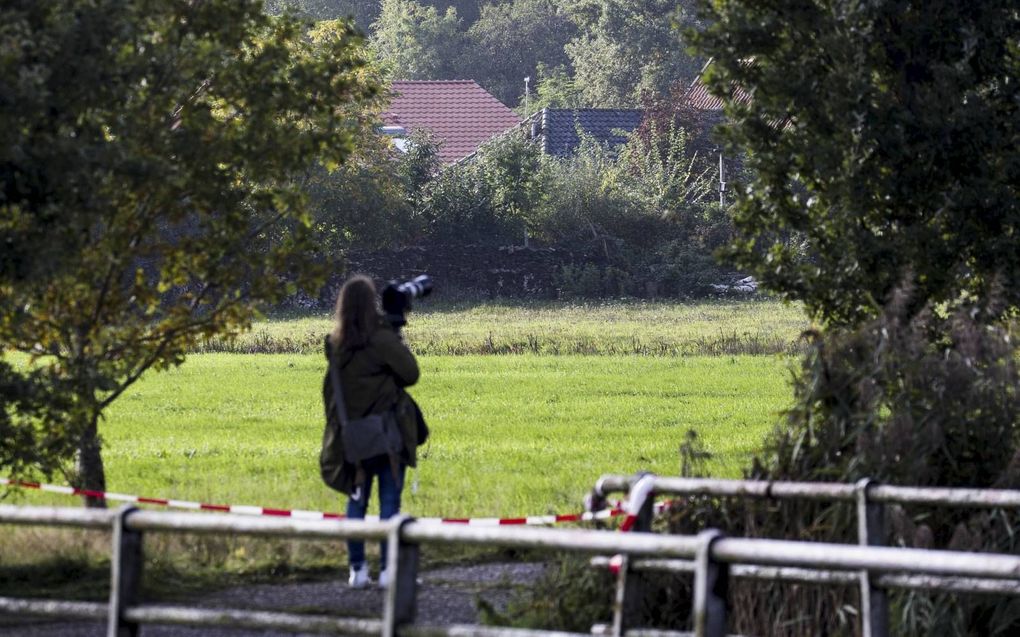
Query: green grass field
[512, 435]
[644, 328]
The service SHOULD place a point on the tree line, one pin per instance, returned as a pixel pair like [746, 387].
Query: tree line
[577, 53]
[641, 220]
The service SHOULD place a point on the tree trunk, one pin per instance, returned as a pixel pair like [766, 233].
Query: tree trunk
[91, 476]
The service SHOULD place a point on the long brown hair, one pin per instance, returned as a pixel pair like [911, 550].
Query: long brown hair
[357, 313]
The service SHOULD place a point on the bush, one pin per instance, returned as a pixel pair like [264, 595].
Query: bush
[491, 198]
[589, 281]
[681, 269]
[933, 400]
[632, 222]
[570, 595]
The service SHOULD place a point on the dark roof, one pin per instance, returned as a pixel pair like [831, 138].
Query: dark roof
[459, 114]
[558, 127]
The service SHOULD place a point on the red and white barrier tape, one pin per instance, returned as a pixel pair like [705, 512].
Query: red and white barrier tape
[604, 514]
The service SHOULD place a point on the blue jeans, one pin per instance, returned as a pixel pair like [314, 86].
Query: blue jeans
[389, 503]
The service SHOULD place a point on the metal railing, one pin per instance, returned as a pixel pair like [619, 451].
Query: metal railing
[869, 498]
[709, 555]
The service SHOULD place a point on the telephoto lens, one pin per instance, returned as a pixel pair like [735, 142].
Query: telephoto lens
[396, 297]
[418, 287]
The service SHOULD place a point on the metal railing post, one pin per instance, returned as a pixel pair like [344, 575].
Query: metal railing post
[125, 575]
[402, 567]
[871, 532]
[711, 588]
[622, 614]
[630, 584]
[594, 502]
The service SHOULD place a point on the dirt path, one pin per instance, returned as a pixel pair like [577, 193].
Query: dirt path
[445, 596]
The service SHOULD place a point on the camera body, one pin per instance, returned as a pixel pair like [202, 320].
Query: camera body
[397, 297]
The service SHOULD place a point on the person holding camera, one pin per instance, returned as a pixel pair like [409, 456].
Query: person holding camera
[373, 426]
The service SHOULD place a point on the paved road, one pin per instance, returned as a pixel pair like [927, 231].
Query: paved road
[445, 596]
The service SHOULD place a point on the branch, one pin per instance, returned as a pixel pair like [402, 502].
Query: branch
[135, 375]
[163, 340]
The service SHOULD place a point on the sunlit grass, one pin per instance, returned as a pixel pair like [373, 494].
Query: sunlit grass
[624, 327]
[512, 435]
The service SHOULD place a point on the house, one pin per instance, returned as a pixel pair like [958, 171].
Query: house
[698, 97]
[558, 129]
[459, 114]
[706, 110]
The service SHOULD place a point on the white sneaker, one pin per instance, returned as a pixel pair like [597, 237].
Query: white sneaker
[384, 579]
[359, 577]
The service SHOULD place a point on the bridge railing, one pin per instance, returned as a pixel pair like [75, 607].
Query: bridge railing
[712, 558]
[870, 499]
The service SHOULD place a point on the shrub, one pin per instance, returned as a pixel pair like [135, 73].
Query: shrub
[933, 400]
[590, 281]
[681, 269]
[570, 595]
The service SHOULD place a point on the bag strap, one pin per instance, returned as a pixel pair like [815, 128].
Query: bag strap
[338, 392]
[341, 413]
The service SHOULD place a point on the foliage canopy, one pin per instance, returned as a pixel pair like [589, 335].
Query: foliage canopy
[418, 42]
[148, 155]
[882, 137]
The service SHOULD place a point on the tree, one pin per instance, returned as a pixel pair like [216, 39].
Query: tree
[467, 10]
[491, 198]
[148, 156]
[882, 137]
[554, 88]
[363, 12]
[362, 203]
[510, 40]
[416, 42]
[512, 169]
[627, 48]
[881, 141]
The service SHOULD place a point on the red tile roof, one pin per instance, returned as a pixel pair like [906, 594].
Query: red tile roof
[698, 96]
[459, 113]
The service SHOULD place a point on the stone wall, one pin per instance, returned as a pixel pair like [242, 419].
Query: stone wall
[475, 272]
[463, 271]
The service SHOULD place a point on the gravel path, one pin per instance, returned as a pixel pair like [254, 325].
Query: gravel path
[445, 596]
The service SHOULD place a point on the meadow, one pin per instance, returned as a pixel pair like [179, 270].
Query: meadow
[528, 405]
[555, 328]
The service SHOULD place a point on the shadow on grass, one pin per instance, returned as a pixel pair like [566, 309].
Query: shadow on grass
[57, 578]
[86, 578]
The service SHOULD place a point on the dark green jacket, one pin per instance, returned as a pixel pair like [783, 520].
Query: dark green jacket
[373, 376]
[373, 380]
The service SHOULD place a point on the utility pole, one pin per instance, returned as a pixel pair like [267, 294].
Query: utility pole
[722, 184]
